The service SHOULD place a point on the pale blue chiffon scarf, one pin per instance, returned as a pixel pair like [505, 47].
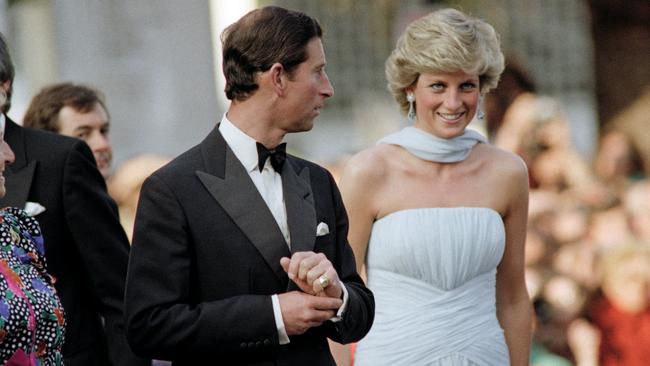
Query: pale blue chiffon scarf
[429, 147]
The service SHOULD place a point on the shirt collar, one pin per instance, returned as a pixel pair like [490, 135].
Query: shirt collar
[240, 143]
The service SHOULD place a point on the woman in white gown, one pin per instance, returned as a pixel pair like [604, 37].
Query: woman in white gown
[438, 215]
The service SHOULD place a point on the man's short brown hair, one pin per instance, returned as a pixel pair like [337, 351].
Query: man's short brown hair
[258, 40]
[43, 111]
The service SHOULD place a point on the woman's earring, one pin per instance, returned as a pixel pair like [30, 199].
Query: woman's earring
[411, 99]
[480, 114]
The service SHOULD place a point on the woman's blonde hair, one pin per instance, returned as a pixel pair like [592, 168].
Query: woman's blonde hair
[444, 41]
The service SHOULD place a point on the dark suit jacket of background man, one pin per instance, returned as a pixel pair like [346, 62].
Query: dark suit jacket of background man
[85, 246]
[206, 256]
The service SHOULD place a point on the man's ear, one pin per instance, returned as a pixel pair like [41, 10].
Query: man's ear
[278, 78]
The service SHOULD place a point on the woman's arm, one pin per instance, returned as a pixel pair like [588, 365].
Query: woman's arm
[356, 184]
[360, 180]
[514, 309]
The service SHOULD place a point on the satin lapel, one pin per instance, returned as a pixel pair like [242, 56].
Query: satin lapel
[19, 174]
[301, 213]
[236, 193]
[18, 185]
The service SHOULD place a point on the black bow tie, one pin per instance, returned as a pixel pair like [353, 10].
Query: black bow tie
[277, 155]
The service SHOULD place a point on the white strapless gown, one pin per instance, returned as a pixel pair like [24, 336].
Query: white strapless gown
[433, 274]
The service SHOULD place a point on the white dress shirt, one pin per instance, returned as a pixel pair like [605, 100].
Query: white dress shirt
[269, 183]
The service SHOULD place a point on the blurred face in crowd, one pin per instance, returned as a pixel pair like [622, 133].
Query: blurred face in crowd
[547, 170]
[628, 285]
[637, 205]
[445, 103]
[570, 224]
[554, 133]
[615, 156]
[610, 227]
[565, 295]
[6, 157]
[93, 128]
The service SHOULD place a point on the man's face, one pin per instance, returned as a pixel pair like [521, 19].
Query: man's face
[308, 88]
[93, 128]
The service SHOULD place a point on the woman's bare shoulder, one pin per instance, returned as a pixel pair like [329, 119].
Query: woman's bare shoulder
[369, 164]
[502, 162]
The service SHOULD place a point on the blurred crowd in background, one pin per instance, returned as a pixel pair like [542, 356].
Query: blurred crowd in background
[588, 242]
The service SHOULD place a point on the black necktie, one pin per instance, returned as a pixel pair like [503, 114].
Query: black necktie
[277, 156]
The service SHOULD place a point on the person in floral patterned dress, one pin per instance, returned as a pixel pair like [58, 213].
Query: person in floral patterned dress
[32, 322]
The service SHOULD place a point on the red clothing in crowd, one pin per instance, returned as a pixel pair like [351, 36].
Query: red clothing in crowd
[625, 336]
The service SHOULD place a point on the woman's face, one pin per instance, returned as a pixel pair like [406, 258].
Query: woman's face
[445, 102]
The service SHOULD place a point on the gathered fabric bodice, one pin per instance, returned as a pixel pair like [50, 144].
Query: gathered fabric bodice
[433, 274]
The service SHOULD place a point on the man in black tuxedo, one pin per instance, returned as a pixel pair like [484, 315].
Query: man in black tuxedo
[55, 177]
[240, 253]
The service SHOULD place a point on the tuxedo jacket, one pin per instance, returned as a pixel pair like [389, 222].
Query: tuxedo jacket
[85, 246]
[206, 259]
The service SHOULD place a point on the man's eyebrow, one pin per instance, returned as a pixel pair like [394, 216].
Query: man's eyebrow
[82, 128]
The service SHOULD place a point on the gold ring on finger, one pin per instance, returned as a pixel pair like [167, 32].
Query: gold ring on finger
[323, 281]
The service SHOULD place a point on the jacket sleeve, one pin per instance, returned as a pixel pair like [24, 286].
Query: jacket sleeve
[164, 318]
[92, 218]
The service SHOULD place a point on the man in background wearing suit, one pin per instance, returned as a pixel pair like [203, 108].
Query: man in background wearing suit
[77, 111]
[56, 179]
[240, 253]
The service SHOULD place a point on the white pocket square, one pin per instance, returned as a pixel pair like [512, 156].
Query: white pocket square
[33, 208]
[322, 229]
